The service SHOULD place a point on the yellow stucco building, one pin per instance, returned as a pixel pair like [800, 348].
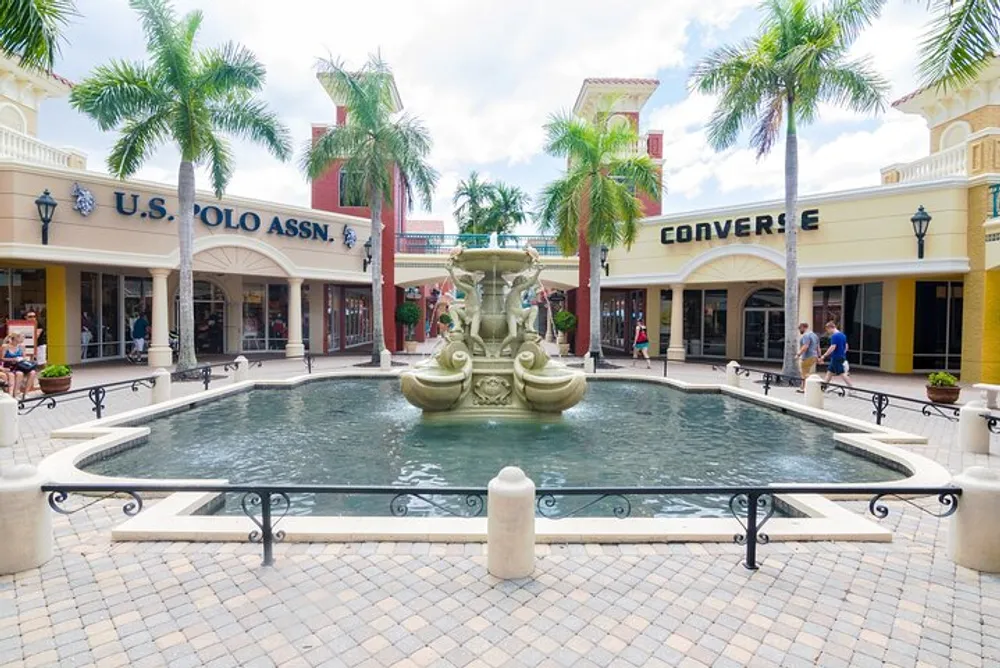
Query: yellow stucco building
[709, 283]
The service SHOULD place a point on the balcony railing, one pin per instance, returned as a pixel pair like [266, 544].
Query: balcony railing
[19, 146]
[441, 244]
[940, 165]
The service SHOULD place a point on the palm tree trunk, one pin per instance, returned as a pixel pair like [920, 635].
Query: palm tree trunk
[789, 367]
[378, 335]
[595, 301]
[185, 232]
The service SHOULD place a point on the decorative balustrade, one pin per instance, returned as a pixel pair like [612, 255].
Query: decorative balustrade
[19, 146]
[940, 165]
[441, 244]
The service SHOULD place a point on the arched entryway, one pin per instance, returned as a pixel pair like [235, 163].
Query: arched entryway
[209, 318]
[764, 325]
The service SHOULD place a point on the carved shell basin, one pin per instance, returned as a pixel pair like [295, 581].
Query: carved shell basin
[488, 260]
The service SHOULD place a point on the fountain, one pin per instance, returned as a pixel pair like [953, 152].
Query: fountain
[494, 363]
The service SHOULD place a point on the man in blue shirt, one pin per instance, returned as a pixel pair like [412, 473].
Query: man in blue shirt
[837, 352]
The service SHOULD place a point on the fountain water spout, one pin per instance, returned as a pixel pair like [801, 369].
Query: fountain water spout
[494, 240]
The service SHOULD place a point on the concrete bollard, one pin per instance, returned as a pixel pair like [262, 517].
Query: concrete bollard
[242, 371]
[589, 364]
[974, 536]
[8, 421]
[732, 374]
[510, 525]
[385, 360]
[161, 389]
[973, 432]
[25, 520]
[814, 392]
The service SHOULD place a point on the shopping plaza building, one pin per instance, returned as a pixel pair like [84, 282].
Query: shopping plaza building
[273, 278]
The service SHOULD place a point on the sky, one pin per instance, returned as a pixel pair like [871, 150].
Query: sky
[484, 77]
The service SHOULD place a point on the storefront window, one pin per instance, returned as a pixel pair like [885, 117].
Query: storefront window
[705, 323]
[357, 317]
[828, 306]
[863, 323]
[21, 291]
[613, 310]
[254, 330]
[666, 313]
[209, 307]
[764, 325]
[277, 316]
[138, 301]
[937, 337]
[102, 318]
[265, 316]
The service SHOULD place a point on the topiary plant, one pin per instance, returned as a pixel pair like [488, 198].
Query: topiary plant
[408, 315]
[564, 321]
[445, 319]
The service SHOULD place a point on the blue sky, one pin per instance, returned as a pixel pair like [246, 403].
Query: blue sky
[484, 77]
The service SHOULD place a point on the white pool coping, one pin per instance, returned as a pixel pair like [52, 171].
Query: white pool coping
[173, 518]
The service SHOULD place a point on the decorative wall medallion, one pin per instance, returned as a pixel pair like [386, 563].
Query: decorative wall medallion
[84, 200]
[491, 391]
[350, 236]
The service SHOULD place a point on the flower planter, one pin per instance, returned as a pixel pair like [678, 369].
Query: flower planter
[410, 346]
[54, 385]
[943, 394]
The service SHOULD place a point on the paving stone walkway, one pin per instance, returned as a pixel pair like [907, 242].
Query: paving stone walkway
[399, 604]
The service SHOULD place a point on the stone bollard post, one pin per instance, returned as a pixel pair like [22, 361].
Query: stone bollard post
[589, 364]
[242, 371]
[814, 392]
[385, 360]
[510, 525]
[973, 432]
[974, 536]
[8, 420]
[161, 388]
[732, 374]
[25, 520]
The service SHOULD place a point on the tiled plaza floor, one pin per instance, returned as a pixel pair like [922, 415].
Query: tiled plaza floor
[175, 604]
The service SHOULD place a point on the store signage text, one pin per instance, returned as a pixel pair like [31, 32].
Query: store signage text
[738, 227]
[226, 218]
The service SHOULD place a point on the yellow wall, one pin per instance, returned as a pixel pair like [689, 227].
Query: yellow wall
[898, 311]
[55, 314]
[653, 320]
[981, 299]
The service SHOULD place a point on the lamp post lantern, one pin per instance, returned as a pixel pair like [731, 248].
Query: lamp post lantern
[604, 261]
[921, 221]
[368, 255]
[46, 207]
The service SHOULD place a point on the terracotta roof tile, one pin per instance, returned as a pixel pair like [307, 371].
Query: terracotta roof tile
[615, 80]
[910, 96]
[61, 79]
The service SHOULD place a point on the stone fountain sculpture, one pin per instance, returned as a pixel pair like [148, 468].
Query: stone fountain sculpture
[493, 363]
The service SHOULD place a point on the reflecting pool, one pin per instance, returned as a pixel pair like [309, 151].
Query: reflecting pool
[362, 431]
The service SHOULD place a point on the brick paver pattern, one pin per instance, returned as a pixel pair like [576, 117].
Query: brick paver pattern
[399, 604]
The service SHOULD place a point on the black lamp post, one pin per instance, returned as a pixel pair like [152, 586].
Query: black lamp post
[921, 221]
[46, 207]
[368, 255]
[604, 261]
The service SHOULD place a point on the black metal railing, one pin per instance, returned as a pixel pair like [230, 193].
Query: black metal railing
[267, 505]
[992, 423]
[95, 393]
[203, 372]
[770, 379]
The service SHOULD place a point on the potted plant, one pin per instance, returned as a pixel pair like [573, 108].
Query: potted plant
[942, 388]
[444, 323]
[564, 322]
[55, 378]
[408, 315]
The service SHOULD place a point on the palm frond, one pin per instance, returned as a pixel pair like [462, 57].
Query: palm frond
[252, 120]
[30, 30]
[165, 41]
[119, 90]
[854, 85]
[228, 69]
[962, 38]
[138, 140]
[219, 157]
[853, 16]
[336, 144]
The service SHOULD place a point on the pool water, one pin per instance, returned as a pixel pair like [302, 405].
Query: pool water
[363, 432]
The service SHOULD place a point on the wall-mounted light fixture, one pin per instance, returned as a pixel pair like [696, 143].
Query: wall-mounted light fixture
[921, 221]
[368, 255]
[604, 261]
[46, 207]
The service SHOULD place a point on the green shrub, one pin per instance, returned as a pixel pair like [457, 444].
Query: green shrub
[445, 319]
[56, 371]
[408, 313]
[564, 321]
[942, 379]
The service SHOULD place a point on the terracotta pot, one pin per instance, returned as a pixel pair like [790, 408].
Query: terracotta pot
[54, 385]
[943, 395]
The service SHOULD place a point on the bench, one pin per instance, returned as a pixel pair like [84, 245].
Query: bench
[992, 394]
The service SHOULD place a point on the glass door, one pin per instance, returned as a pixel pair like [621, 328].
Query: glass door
[754, 334]
[775, 335]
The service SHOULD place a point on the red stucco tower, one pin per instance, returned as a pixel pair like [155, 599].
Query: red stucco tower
[629, 95]
[327, 196]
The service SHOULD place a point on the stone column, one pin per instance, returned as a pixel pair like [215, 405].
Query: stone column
[675, 352]
[806, 286]
[510, 525]
[159, 349]
[294, 347]
[973, 430]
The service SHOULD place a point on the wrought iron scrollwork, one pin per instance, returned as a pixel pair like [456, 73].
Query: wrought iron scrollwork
[993, 424]
[545, 503]
[96, 396]
[25, 406]
[757, 509]
[142, 382]
[131, 508]
[947, 499]
[927, 408]
[880, 401]
[307, 359]
[473, 505]
[206, 376]
[269, 504]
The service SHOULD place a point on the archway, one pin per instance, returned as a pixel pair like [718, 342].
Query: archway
[764, 325]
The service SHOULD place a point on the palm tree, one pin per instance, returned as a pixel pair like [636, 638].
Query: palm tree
[797, 60]
[597, 193]
[187, 97]
[507, 208]
[374, 144]
[29, 30]
[472, 197]
[962, 39]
